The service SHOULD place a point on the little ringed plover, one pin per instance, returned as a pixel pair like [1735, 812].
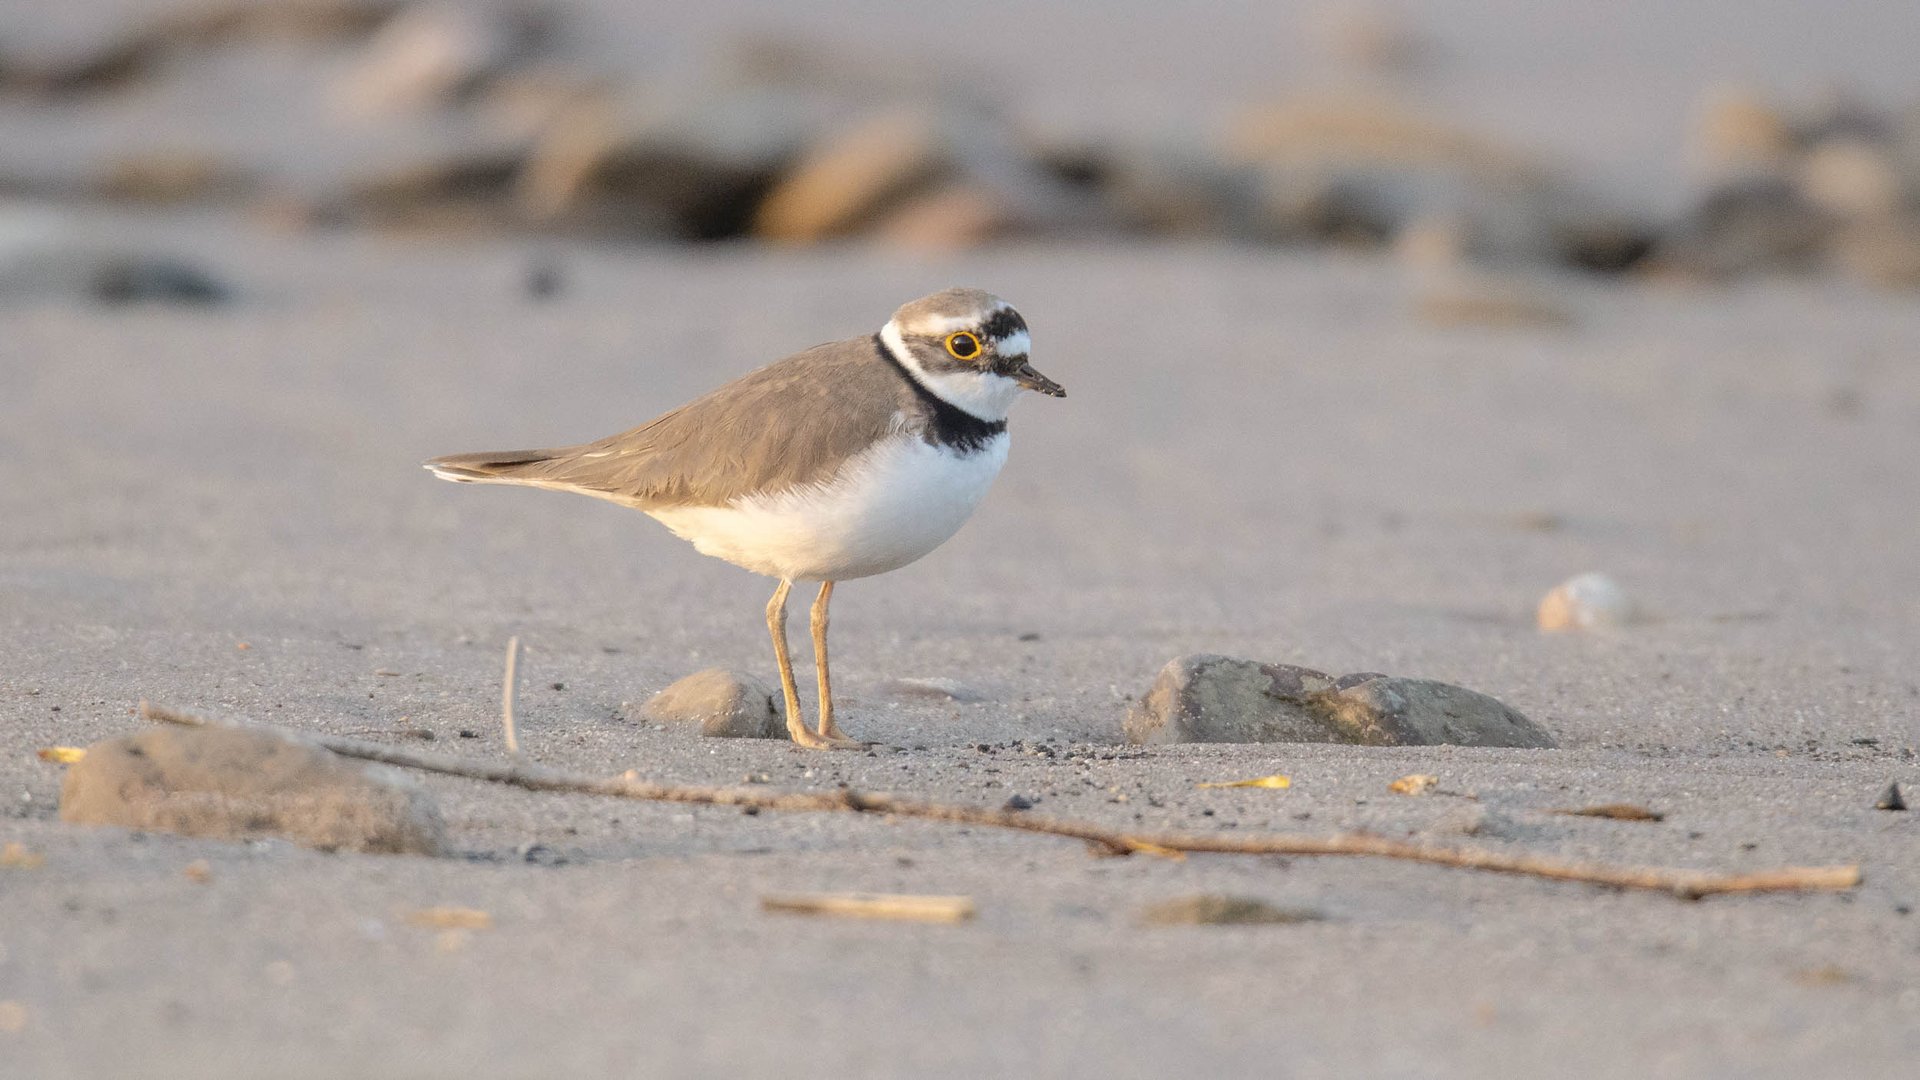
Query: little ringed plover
[844, 461]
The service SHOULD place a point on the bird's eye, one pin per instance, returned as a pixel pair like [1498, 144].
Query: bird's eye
[963, 346]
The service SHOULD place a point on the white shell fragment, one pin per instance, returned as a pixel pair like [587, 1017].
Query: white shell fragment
[1587, 602]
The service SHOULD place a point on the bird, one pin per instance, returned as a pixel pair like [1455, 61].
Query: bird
[847, 460]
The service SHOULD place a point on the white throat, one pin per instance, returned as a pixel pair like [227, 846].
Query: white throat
[983, 394]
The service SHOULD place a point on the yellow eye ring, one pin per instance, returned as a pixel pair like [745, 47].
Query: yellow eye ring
[963, 346]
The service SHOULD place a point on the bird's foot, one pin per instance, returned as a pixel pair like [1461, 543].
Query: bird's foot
[833, 740]
[830, 737]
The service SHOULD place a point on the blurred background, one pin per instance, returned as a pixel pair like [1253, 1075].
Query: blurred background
[1706, 140]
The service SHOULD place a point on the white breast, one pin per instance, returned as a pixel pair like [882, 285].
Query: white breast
[891, 504]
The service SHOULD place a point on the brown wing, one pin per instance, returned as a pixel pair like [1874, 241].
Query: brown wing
[790, 423]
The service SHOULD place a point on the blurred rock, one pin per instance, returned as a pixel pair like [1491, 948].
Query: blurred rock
[1167, 192]
[976, 178]
[42, 256]
[240, 783]
[1204, 698]
[1748, 226]
[140, 52]
[430, 54]
[1481, 299]
[460, 190]
[1881, 251]
[1740, 133]
[847, 180]
[695, 169]
[1364, 130]
[1851, 176]
[1372, 39]
[948, 218]
[1368, 172]
[153, 280]
[725, 704]
[1591, 601]
[1890, 799]
[173, 178]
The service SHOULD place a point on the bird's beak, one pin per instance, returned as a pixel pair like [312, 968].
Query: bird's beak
[1033, 380]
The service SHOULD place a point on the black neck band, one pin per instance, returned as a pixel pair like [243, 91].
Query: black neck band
[947, 424]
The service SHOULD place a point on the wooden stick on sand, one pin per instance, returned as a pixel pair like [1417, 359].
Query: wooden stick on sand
[1687, 884]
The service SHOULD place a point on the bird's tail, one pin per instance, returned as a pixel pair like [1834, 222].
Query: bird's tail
[497, 467]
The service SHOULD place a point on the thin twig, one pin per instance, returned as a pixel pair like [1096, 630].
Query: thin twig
[506, 697]
[1689, 884]
[942, 909]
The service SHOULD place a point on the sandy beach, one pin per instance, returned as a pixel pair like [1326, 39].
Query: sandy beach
[1266, 453]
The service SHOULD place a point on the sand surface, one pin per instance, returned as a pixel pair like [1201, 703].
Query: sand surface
[1262, 454]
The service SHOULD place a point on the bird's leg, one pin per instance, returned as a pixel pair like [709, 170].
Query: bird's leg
[829, 730]
[777, 626]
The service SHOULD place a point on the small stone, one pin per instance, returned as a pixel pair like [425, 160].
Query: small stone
[544, 282]
[540, 855]
[1890, 799]
[1207, 909]
[151, 279]
[1019, 802]
[235, 783]
[941, 688]
[726, 704]
[1589, 601]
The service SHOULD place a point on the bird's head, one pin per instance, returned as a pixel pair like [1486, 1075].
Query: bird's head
[969, 347]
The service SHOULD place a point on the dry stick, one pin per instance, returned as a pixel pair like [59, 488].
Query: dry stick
[506, 698]
[1688, 884]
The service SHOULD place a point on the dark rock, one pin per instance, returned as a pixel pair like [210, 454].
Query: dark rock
[1890, 799]
[144, 279]
[1019, 802]
[544, 282]
[540, 855]
[724, 703]
[1202, 698]
[235, 783]
[1422, 712]
[1747, 226]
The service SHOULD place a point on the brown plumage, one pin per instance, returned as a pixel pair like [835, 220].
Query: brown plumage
[726, 443]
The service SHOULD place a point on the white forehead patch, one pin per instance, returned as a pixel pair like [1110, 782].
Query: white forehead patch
[1014, 344]
[942, 325]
